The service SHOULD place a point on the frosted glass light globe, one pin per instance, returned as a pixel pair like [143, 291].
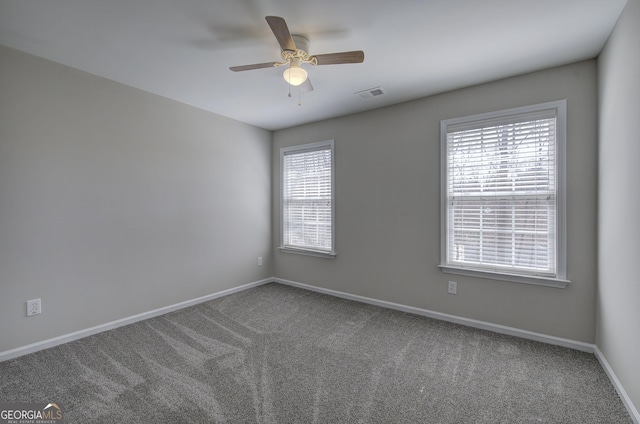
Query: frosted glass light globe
[295, 75]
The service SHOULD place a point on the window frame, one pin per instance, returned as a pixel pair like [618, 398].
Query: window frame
[302, 148]
[560, 278]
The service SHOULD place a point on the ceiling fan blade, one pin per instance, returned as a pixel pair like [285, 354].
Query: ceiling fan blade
[281, 31]
[306, 86]
[356, 56]
[254, 66]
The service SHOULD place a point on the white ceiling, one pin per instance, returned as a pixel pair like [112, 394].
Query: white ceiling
[183, 49]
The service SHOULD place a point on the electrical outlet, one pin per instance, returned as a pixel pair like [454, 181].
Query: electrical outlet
[34, 307]
[259, 260]
[453, 287]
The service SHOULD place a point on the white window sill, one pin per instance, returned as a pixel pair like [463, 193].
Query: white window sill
[558, 283]
[307, 252]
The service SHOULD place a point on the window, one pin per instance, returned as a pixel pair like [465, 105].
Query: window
[308, 199]
[503, 195]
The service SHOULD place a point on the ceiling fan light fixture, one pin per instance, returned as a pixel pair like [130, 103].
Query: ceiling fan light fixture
[294, 51]
[294, 74]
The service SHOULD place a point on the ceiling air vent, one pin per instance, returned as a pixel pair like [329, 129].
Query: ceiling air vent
[370, 92]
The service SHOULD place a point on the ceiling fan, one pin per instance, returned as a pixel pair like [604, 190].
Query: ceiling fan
[295, 52]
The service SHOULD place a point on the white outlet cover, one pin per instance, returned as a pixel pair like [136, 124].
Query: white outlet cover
[34, 307]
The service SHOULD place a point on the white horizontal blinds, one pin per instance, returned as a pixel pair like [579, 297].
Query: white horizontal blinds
[501, 188]
[307, 194]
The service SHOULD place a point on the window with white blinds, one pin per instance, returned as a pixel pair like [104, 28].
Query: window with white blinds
[503, 202]
[307, 198]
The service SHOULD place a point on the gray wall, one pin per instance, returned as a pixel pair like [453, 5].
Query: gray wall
[618, 328]
[114, 201]
[388, 207]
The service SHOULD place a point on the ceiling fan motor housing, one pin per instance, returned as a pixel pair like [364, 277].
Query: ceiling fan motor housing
[301, 42]
[301, 55]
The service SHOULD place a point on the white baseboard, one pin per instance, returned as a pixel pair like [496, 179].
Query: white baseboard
[559, 341]
[24, 350]
[626, 400]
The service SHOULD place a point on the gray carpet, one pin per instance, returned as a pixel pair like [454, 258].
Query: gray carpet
[278, 354]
